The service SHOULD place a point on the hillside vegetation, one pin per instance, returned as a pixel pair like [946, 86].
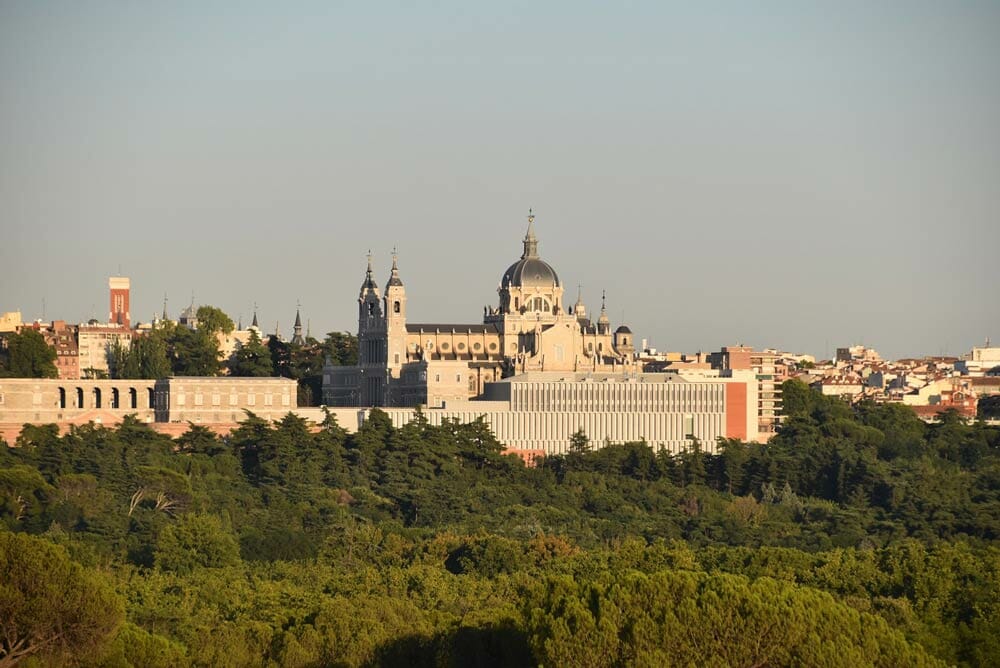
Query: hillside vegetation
[855, 537]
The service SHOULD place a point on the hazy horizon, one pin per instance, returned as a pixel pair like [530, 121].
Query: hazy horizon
[780, 176]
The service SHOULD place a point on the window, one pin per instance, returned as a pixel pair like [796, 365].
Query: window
[251, 399]
[458, 378]
[437, 378]
[198, 399]
[396, 357]
[268, 400]
[395, 307]
[216, 400]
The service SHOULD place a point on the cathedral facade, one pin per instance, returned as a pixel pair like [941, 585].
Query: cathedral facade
[530, 330]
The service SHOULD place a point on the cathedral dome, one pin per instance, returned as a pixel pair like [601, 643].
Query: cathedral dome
[530, 271]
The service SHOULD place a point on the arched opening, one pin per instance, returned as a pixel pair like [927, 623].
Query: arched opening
[97, 397]
[149, 391]
[133, 398]
[62, 397]
[79, 397]
[115, 398]
[395, 307]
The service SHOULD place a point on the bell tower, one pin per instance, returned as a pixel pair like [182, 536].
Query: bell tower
[395, 319]
[119, 311]
[371, 342]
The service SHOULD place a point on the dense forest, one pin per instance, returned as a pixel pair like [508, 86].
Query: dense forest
[857, 536]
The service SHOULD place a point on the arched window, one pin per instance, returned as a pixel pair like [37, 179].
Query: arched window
[133, 398]
[62, 397]
[395, 307]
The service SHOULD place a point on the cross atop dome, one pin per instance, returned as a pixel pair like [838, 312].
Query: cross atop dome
[530, 241]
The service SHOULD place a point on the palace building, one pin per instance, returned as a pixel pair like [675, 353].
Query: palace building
[404, 364]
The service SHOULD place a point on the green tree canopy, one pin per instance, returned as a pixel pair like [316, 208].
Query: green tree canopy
[196, 541]
[191, 352]
[50, 607]
[213, 320]
[252, 359]
[29, 356]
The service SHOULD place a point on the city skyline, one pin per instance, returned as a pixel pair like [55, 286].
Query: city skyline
[807, 179]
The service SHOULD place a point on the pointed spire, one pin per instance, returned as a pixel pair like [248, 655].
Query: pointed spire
[579, 309]
[239, 325]
[530, 241]
[254, 323]
[297, 336]
[309, 329]
[394, 279]
[165, 307]
[603, 323]
[369, 283]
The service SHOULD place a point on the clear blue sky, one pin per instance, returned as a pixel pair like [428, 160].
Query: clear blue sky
[798, 175]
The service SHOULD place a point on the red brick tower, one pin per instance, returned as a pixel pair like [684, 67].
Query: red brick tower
[119, 313]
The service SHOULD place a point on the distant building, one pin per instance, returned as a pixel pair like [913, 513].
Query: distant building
[980, 362]
[405, 364]
[119, 314]
[10, 321]
[770, 373]
[536, 413]
[857, 353]
[63, 338]
[95, 342]
[169, 404]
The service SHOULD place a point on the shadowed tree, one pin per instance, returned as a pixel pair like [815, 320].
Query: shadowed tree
[28, 356]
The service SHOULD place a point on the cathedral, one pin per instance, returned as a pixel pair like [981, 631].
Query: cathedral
[530, 330]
